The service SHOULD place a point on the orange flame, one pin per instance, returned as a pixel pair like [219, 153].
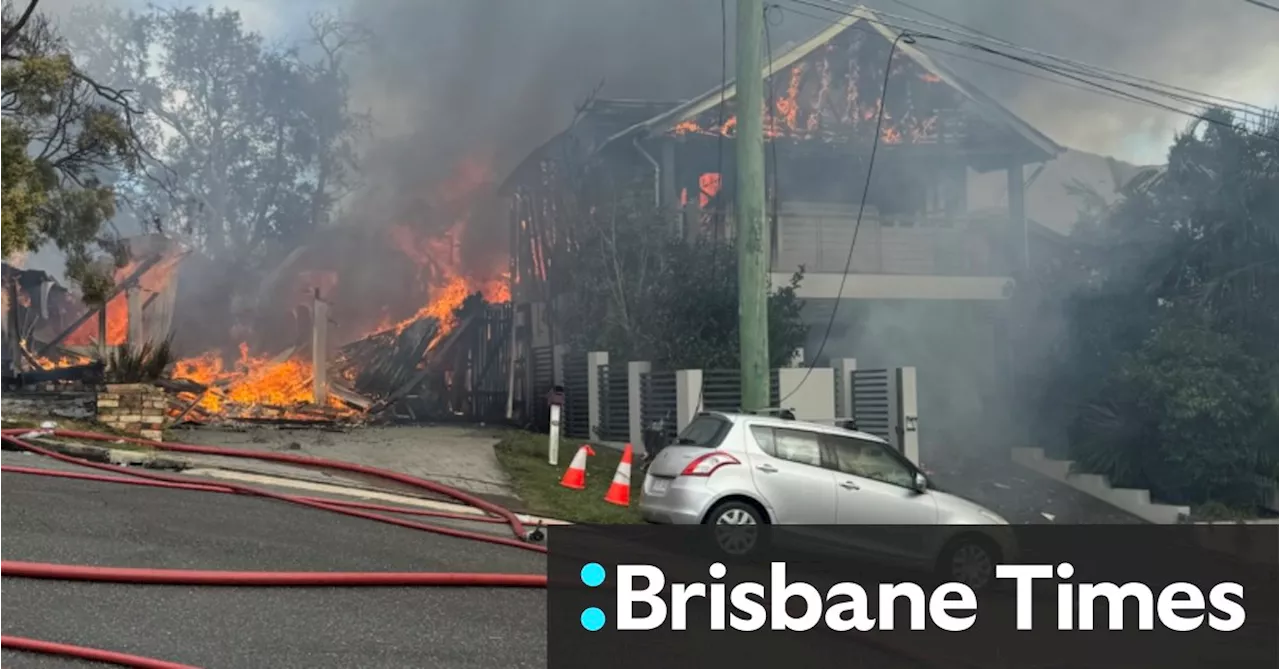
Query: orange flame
[252, 382]
[153, 280]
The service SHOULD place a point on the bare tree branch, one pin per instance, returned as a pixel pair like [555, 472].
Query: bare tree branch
[19, 24]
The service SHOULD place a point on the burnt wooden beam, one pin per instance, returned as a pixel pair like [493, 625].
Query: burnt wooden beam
[119, 288]
[437, 353]
[188, 409]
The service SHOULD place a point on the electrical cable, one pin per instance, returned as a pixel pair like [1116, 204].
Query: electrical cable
[1260, 3]
[718, 212]
[19, 437]
[971, 33]
[1072, 69]
[862, 205]
[1077, 72]
[773, 151]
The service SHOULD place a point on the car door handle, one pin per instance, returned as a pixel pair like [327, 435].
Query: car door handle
[850, 485]
[768, 469]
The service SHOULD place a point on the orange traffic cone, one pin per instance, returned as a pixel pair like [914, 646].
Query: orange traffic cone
[620, 490]
[575, 476]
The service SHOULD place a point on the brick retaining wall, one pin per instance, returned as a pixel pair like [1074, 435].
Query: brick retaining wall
[135, 408]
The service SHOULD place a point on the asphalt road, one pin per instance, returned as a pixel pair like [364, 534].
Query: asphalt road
[82, 522]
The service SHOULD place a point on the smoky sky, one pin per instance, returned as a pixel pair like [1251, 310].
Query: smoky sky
[447, 80]
[507, 73]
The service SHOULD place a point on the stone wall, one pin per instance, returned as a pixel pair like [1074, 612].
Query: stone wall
[135, 408]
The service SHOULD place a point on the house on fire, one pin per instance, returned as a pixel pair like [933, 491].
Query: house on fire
[932, 282]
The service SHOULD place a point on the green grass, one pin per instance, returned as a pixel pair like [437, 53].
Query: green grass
[524, 457]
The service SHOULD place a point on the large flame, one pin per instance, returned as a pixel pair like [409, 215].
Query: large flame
[252, 382]
[153, 280]
[825, 97]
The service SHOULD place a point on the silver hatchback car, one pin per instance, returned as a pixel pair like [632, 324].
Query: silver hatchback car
[747, 469]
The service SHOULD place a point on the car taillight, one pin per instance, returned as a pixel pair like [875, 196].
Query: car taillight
[706, 465]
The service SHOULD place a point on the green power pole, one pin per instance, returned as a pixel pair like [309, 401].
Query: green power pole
[753, 242]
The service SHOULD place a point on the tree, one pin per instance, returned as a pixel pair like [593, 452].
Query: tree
[66, 140]
[1170, 362]
[643, 293]
[256, 140]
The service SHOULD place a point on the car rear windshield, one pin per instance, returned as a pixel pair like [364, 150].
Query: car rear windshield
[707, 431]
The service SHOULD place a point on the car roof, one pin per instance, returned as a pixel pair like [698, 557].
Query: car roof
[774, 421]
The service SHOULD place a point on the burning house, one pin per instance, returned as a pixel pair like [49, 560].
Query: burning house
[327, 334]
[48, 326]
[931, 283]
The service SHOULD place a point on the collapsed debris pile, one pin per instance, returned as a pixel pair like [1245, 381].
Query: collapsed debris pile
[381, 362]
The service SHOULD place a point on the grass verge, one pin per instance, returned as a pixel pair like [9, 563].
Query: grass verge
[524, 457]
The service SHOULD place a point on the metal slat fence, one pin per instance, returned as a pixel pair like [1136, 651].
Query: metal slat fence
[658, 400]
[615, 415]
[873, 402]
[576, 389]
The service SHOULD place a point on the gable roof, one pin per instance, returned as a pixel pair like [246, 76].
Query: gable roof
[594, 125]
[859, 15]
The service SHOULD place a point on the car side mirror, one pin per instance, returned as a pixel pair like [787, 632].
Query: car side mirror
[920, 484]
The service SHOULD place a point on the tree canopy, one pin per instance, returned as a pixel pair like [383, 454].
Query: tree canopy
[1169, 367]
[642, 292]
[257, 141]
[66, 140]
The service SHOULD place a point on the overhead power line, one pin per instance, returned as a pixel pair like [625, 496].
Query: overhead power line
[1263, 5]
[936, 31]
[1087, 76]
[857, 223]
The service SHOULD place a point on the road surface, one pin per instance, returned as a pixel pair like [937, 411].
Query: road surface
[80, 522]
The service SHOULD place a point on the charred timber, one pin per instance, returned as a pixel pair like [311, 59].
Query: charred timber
[90, 374]
[378, 364]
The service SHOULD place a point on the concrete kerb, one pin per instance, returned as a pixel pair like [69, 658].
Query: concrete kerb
[150, 460]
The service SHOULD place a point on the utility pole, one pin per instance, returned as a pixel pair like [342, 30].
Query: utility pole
[753, 243]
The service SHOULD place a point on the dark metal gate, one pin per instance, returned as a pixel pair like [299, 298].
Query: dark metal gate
[658, 400]
[873, 402]
[577, 420]
[541, 379]
[722, 390]
[615, 414]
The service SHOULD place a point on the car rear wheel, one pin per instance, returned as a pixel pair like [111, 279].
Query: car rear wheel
[736, 526]
[971, 560]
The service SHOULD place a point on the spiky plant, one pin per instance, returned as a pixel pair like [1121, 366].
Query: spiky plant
[143, 364]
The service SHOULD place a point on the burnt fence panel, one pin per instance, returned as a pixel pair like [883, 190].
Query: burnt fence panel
[658, 400]
[576, 400]
[615, 414]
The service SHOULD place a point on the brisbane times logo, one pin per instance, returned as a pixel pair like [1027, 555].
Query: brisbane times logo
[646, 601]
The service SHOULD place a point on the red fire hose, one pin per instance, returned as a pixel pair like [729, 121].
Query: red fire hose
[496, 514]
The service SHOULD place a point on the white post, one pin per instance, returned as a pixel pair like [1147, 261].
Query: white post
[635, 425]
[135, 334]
[688, 396]
[319, 351]
[908, 415]
[553, 439]
[845, 367]
[595, 399]
[797, 357]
